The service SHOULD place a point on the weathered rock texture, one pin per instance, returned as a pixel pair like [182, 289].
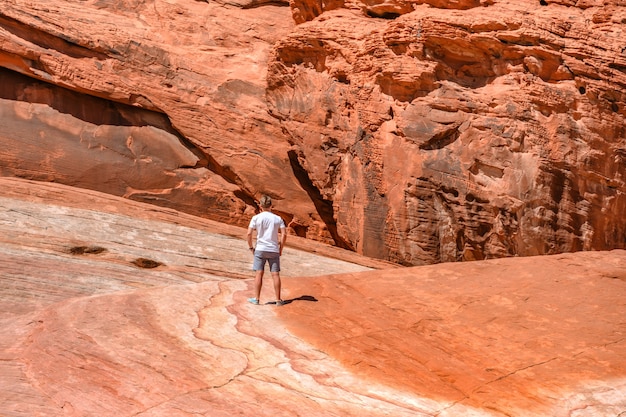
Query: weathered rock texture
[413, 131]
[86, 331]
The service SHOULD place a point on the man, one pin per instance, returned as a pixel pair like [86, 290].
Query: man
[271, 237]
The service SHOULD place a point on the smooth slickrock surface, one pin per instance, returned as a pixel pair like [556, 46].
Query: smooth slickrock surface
[415, 131]
[86, 331]
[522, 337]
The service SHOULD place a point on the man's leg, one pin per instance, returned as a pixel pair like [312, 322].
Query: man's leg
[275, 270]
[276, 278]
[258, 267]
[258, 283]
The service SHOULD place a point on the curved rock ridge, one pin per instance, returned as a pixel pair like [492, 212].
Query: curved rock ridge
[87, 331]
[412, 131]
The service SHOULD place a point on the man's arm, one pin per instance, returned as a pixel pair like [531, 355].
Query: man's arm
[283, 238]
[249, 238]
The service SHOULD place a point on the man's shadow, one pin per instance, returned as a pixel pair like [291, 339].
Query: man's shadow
[301, 298]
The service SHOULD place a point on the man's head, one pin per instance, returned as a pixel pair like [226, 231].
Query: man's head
[265, 202]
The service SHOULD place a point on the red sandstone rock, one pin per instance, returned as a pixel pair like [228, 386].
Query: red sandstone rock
[473, 138]
[87, 332]
[413, 131]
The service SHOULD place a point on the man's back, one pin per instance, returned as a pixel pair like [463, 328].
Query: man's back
[267, 225]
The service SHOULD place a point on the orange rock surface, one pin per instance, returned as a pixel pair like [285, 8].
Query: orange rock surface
[522, 337]
[86, 330]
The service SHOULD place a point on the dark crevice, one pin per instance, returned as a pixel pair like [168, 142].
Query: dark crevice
[442, 139]
[479, 167]
[246, 198]
[324, 207]
[223, 171]
[261, 3]
[473, 198]
[383, 15]
[342, 77]
[618, 66]
[231, 177]
[300, 230]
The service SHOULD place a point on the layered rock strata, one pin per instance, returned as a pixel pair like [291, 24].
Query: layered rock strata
[417, 132]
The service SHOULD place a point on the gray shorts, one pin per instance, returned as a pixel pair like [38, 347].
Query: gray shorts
[260, 257]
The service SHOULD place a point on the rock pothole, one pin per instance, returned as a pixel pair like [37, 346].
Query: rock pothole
[87, 250]
[146, 263]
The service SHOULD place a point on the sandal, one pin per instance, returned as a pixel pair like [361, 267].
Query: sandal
[253, 301]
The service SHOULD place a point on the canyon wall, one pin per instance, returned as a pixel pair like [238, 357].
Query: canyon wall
[413, 131]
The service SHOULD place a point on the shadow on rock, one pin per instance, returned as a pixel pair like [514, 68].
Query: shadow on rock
[301, 298]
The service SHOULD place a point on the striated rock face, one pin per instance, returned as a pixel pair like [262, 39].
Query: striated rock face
[413, 131]
[442, 135]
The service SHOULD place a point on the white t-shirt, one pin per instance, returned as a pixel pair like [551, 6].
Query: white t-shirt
[267, 225]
